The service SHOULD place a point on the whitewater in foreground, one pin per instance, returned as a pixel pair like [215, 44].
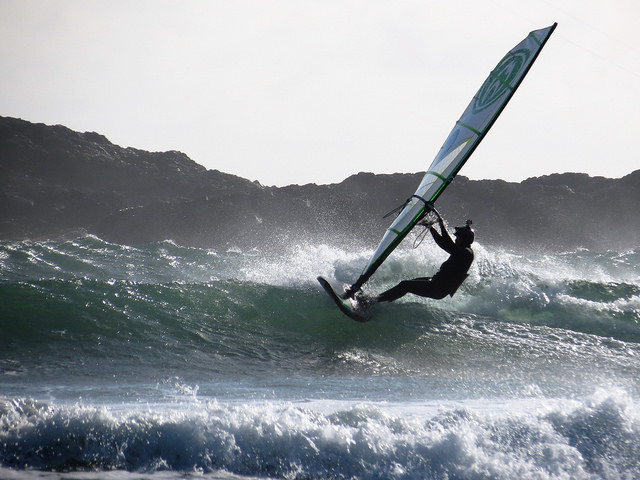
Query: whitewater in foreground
[163, 362]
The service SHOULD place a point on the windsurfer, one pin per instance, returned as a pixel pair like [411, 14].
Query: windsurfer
[452, 272]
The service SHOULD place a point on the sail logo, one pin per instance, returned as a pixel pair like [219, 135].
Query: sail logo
[502, 79]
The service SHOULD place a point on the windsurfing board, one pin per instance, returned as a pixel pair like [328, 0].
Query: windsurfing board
[351, 307]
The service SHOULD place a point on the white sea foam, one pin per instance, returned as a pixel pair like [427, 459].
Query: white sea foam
[596, 437]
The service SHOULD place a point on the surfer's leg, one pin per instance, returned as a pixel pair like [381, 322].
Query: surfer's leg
[393, 293]
[424, 287]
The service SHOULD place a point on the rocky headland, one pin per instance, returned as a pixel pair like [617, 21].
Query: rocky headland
[57, 183]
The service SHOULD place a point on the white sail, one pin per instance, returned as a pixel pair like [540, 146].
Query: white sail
[468, 132]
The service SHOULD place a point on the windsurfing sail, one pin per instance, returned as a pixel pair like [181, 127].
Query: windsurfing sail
[485, 107]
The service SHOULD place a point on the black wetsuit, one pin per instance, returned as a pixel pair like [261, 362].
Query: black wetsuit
[448, 279]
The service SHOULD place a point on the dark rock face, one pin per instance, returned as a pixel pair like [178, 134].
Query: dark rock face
[57, 183]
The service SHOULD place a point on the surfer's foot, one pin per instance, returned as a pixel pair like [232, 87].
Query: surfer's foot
[365, 300]
[380, 299]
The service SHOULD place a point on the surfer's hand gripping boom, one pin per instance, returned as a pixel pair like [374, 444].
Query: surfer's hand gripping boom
[431, 218]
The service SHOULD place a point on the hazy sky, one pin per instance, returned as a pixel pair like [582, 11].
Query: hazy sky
[299, 91]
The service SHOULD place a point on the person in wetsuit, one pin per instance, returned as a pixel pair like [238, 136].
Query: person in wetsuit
[452, 272]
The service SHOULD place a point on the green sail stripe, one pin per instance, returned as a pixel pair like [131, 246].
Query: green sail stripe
[399, 237]
[437, 192]
[535, 39]
[437, 174]
[469, 127]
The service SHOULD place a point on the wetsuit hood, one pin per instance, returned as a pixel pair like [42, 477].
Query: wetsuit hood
[465, 234]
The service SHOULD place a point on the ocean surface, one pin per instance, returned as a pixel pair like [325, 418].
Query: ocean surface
[164, 362]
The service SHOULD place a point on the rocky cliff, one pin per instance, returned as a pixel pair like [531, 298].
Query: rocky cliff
[59, 183]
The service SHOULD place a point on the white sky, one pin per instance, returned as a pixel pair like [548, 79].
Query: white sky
[299, 91]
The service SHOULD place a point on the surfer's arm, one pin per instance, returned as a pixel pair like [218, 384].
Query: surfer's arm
[443, 239]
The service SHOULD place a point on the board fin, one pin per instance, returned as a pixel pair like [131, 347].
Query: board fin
[354, 308]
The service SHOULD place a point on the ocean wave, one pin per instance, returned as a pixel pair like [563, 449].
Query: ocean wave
[594, 438]
[100, 309]
[243, 328]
